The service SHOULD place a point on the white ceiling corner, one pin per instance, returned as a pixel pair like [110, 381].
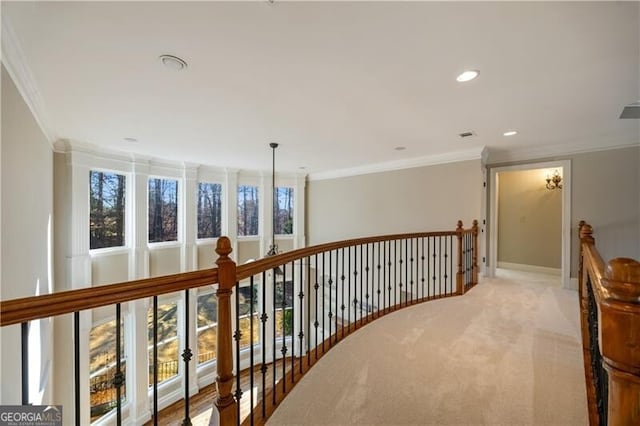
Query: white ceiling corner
[16, 65]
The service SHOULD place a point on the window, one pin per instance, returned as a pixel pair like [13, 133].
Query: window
[247, 210]
[102, 368]
[209, 210]
[106, 204]
[283, 211]
[163, 210]
[207, 327]
[168, 347]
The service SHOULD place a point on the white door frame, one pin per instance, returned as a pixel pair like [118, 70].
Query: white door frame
[566, 214]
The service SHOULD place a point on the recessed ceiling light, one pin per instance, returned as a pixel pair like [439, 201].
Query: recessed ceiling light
[400, 148]
[130, 139]
[467, 75]
[510, 133]
[173, 62]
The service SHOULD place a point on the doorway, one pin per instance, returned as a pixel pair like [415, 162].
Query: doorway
[564, 168]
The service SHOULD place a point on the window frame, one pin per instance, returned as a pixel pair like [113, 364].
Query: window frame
[127, 216]
[179, 212]
[222, 211]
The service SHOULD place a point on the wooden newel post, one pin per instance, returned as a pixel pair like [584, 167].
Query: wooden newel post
[620, 340]
[474, 257]
[459, 274]
[585, 232]
[225, 402]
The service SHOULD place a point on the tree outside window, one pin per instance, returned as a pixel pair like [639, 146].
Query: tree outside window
[209, 210]
[247, 210]
[106, 210]
[283, 211]
[163, 210]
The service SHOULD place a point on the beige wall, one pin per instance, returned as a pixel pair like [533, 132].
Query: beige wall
[529, 220]
[27, 221]
[429, 198]
[606, 193]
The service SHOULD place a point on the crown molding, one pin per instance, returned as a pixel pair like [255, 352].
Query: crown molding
[407, 163]
[548, 151]
[15, 63]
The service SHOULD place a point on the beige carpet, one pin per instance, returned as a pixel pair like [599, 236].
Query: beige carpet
[507, 353]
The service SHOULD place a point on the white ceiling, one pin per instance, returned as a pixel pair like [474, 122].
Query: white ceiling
[338, 85]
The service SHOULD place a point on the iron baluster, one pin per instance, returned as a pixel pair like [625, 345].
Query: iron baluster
[366, 270]
[155, 360]
[301, 333]
[263, 368]
[237, 335]
[433, 269]
[342, 277]
[118, 378]
[324, 284]
[336, 307]
[600, 376]
[389, 287]
[186, 357]
[76, 356]
[378, 268]
[330, 314]
[308, 311]
[273, 345]
[316, 323]
[250, 349]
[283, 349]
[349, 289]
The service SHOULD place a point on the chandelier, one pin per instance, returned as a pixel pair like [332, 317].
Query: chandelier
[554, 180]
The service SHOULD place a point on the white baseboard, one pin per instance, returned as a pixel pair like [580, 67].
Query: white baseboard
[530, 268]
[573, 284]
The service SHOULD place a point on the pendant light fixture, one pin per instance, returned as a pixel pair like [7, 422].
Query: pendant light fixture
[273, 248]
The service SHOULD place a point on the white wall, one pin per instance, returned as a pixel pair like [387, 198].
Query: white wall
[27, 222]
[430, 198]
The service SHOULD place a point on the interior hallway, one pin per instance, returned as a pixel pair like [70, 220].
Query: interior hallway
[506, 353]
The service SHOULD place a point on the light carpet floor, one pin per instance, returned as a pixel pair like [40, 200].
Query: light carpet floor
[506, 353]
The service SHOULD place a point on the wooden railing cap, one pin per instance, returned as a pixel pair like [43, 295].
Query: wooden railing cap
[586, 232]
[622, 279]
[460, 226]
[223, 247]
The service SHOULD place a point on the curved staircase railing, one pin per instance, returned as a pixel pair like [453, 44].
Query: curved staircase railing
[277, 316]
[610, 322]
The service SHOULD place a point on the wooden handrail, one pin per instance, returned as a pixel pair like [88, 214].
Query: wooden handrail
[616, 290]
[16, 311]
[249, 269]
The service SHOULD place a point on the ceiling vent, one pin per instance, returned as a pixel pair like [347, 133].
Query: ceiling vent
[631, 111]
[467, 134]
